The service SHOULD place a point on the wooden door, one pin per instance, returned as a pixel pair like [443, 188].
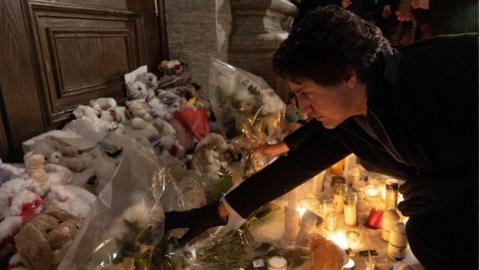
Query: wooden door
[57, 54]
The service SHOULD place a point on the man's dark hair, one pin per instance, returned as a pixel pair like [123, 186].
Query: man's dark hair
[327, 44]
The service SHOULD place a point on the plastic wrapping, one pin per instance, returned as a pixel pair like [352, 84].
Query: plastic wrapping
[247, 110]
[243, 248]
[244, 104]
[125, 228]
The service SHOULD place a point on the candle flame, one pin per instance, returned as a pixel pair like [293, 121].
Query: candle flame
[301, 211]
[371, 190]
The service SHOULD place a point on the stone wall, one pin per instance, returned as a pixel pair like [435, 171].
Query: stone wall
[243, 33]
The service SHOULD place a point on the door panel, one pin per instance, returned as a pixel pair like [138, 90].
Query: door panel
[57, 54]
[83, 54]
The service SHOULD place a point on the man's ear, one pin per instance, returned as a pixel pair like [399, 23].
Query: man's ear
[351, 80]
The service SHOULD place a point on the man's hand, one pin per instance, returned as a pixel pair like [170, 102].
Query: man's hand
[196, 220]
[271, 150]
[346, 3]
[422, 4]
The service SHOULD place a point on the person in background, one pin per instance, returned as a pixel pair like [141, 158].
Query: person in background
[369, 99]
[437, 17]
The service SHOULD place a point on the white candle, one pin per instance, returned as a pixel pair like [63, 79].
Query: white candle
[350, 209]
[277, 263]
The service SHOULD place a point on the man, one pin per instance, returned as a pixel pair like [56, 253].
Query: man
[412, 114]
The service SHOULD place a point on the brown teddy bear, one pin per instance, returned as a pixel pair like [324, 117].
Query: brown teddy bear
[326, 255]
[45, 239]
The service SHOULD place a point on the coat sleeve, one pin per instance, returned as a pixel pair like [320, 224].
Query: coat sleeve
[302, 134]
[287, 172]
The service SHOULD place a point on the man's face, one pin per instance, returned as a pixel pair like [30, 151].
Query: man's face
[330, 105]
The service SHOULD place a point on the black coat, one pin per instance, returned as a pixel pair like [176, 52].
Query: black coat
[423, 101]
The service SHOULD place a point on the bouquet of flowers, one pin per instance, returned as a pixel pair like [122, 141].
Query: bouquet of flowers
[246, 108]
[173, 72]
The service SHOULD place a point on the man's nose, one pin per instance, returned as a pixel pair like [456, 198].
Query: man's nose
[304, 106]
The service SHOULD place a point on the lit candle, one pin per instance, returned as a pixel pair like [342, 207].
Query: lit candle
[350, 265]
[350, 209]
[340, 239]
[301, 211]
[371, 191]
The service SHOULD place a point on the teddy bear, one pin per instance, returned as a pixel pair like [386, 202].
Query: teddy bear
[139, 108]
[141, 128]
[326, 255]
[210, 156]
[17, 204]
[34, 167]
[149, 79]
[168, 141]
[92, 117]
[139, 90]
[165, 104]
[44, 240]
[59, 153]
[103, 104]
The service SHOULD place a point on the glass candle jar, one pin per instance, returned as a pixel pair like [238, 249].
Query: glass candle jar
[391, 194]
[350, 209]
[339, 191]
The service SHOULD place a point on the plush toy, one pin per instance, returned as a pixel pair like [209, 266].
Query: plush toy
[149, 79]
[168, 141]
[144, 129]
[34, 167]
[165, 104]
[103, 104]
[43, 241]
[72, 199]
[91, 116]
[185, 137]
[100, 167]
[189, 92]
[326, 255]
[59, 153]
[210, 156]
[8, 171]
[139, 108]
[139, 90]
[17, 204]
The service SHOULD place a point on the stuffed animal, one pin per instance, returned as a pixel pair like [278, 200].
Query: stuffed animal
[139, 108]
[72, 199]
[59, 153]
[103, 104]
[149, 79]
[34, 167]
[8, 171]
[91, 116]
[17, 204]
[165, 104]
[139, 90]
[209, 156]
[168, 141]
[144, 129]
[326, 255]
[43, 241]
